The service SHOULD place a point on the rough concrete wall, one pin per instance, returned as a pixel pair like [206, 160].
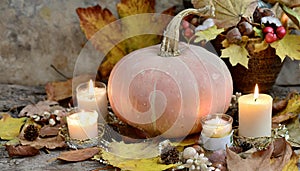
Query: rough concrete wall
[36, 34]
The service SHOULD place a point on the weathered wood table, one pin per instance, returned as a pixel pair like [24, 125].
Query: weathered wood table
[14, 97]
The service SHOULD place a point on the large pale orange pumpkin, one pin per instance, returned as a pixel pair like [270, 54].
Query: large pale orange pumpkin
[166, 95]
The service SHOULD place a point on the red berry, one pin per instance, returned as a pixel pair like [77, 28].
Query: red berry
[270, 37]
[268, 29]
[185, 24]
[280, 31]
[188, 32]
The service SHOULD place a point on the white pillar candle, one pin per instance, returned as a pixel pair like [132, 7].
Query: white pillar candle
[83, 125]
[93, 98]
[216, 126]
[255, 114]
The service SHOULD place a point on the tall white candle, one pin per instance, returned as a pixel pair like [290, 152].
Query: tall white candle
[255, 114]
[93, 98]
[83, 125]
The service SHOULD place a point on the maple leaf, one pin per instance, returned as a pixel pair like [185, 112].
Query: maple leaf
[118, 38]
[236, 54]
[208, 34]
[258, 161]
[288, 46]
[275, 157]
[229, 12]
[10, 127]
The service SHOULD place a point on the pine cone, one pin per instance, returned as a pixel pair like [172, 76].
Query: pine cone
[31, 132]
[169, 155]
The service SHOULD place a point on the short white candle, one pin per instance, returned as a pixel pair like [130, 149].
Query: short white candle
[216, 126]
[83, 125]
[255, 114]
[92, 98]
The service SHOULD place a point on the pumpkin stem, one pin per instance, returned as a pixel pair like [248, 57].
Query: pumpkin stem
[169, 45]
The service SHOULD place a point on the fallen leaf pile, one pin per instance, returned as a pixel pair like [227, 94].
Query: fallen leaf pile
[116, 38]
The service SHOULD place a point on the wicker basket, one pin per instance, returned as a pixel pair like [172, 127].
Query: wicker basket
[263, 69]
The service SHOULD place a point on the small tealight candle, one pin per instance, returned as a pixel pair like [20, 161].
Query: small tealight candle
[83, 125]
[255, 114]
[216, 126]
[90, 97]
[216, 131]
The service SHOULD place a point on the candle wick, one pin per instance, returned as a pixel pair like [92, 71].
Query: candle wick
[255, 99]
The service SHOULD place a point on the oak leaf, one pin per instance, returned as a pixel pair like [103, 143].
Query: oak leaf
[78, 155]
[10, 127]
[288, 46]
[236, 54]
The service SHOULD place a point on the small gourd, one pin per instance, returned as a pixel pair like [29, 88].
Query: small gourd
[166, 89]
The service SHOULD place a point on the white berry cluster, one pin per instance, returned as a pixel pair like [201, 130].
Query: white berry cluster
[195, 161]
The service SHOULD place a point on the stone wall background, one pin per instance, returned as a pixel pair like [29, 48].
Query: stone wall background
[36, 34]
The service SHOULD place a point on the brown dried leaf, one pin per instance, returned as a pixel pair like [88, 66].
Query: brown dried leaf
[39, 108]
[292, 109]
[60, 90]
[259, 161]
[50, 143]
[78, 155]
[49, 131]
[281, 155]
[21, 150]
[229, 12]
[274, 158]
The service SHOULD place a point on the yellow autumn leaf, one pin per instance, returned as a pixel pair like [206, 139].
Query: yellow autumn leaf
[288, 46]
[208, 34]
[236, 54]
[292, 164]
[147, 164]
[134, 156]
[10, 127]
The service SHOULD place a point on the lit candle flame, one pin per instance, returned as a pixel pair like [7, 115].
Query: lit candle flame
[91, 87]
[256, 92]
